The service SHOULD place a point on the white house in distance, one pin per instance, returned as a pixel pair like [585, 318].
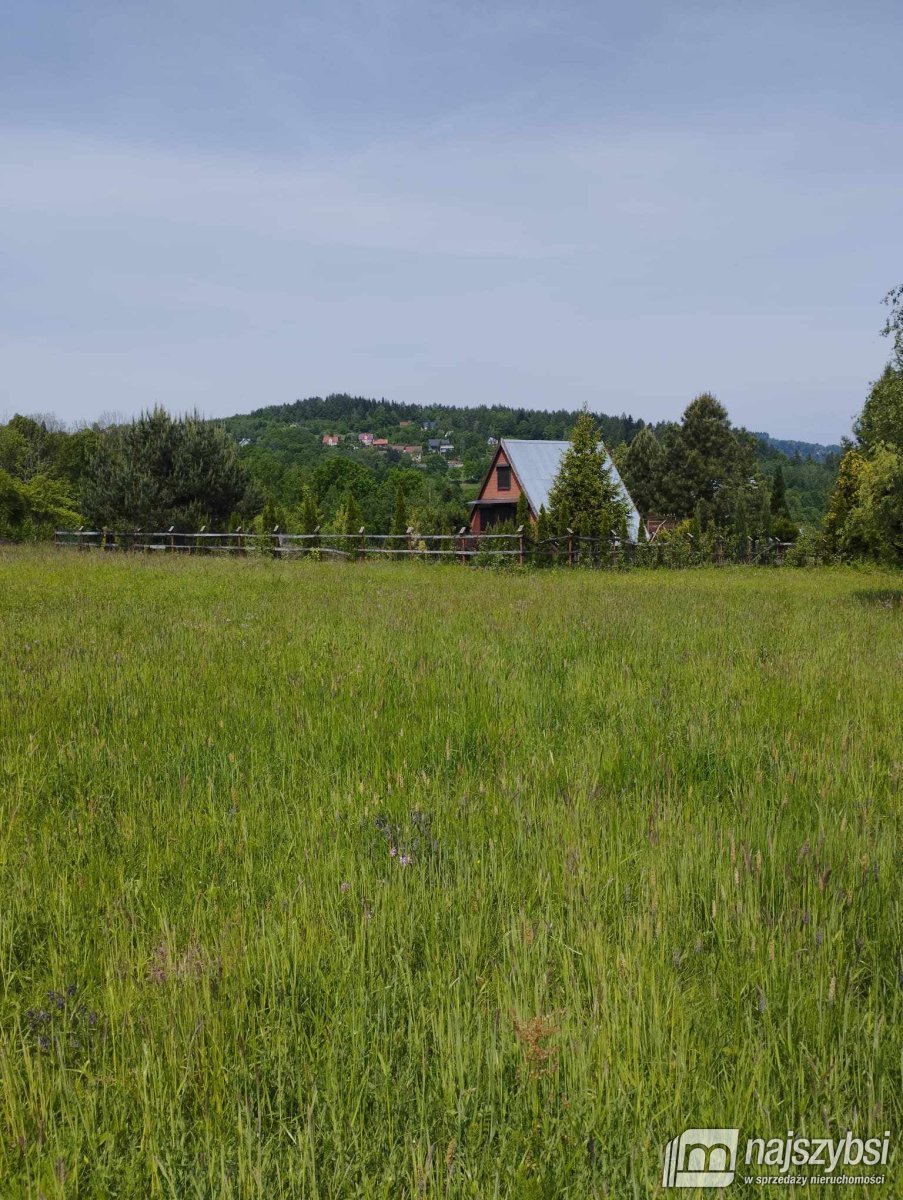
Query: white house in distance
[531, 466]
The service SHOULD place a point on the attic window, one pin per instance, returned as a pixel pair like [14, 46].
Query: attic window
[503, 478]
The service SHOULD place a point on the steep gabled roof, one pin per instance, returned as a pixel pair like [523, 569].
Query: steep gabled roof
[537, 463]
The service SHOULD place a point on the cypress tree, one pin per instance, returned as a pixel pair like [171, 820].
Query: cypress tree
[543, 551]
[779, 494]
[522, 516]
[399, 514]
[310, 516]
[399, 528]
[269, 517]
[353, 515]
[543, 524]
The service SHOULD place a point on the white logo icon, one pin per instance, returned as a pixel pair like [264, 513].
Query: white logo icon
[701, 1158]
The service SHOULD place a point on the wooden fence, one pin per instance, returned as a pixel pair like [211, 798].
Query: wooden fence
[463, 546]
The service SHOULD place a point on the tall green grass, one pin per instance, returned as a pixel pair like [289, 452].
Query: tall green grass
[655, 839]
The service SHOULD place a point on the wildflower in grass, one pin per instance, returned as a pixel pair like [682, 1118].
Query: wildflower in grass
[344, 886]
[58, 1026]
[405, 860]
[534, 1035]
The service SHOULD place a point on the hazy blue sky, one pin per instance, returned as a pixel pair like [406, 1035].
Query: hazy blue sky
[228, 204]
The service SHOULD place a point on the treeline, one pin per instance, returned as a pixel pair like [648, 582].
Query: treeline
[158, 471]
[42, 467]
[341, 413]
[865, 511]
[711, 480]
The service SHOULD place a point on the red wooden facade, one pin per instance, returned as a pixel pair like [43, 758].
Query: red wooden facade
[498, 497]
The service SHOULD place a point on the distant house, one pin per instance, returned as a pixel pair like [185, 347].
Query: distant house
[455, 462]
[434, 444]
[491, 441]
[245, 442]
[413, 451]
[428, 425]
[405, 424]
[656, 525]
[365, 439]
[531, 467]
[380, 443]
[331, 439]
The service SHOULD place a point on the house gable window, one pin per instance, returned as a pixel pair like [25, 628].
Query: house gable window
[503, 478]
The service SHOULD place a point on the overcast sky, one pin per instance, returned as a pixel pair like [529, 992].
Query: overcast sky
[227, 205]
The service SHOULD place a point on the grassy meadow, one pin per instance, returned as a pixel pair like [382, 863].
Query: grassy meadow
[398, 881]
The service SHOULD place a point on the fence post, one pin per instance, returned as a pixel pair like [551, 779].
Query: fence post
[362, 545]
[520, 545]
[275, 539]
[461, 533]
[570, 534]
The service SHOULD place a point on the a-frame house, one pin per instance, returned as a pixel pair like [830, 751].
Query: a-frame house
[530, 467]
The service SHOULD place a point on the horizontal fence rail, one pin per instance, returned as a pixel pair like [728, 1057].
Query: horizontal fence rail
[569, 549]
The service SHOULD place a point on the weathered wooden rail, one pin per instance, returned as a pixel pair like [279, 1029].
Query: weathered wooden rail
[462, 545]
[568, 550]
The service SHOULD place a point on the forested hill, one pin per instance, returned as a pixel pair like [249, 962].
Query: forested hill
[341, 413]
[283, 448]
[793, 449]
[355, 414]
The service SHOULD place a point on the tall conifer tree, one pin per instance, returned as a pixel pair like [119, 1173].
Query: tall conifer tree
[584, 496]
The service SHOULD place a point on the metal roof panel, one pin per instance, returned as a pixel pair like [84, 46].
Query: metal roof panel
[536, 464]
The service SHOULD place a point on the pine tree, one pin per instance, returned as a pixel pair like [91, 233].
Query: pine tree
[584, 496]
[159, 471]
[704, 455]
[643, 464]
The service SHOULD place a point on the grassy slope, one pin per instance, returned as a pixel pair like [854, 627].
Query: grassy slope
[663, 818]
